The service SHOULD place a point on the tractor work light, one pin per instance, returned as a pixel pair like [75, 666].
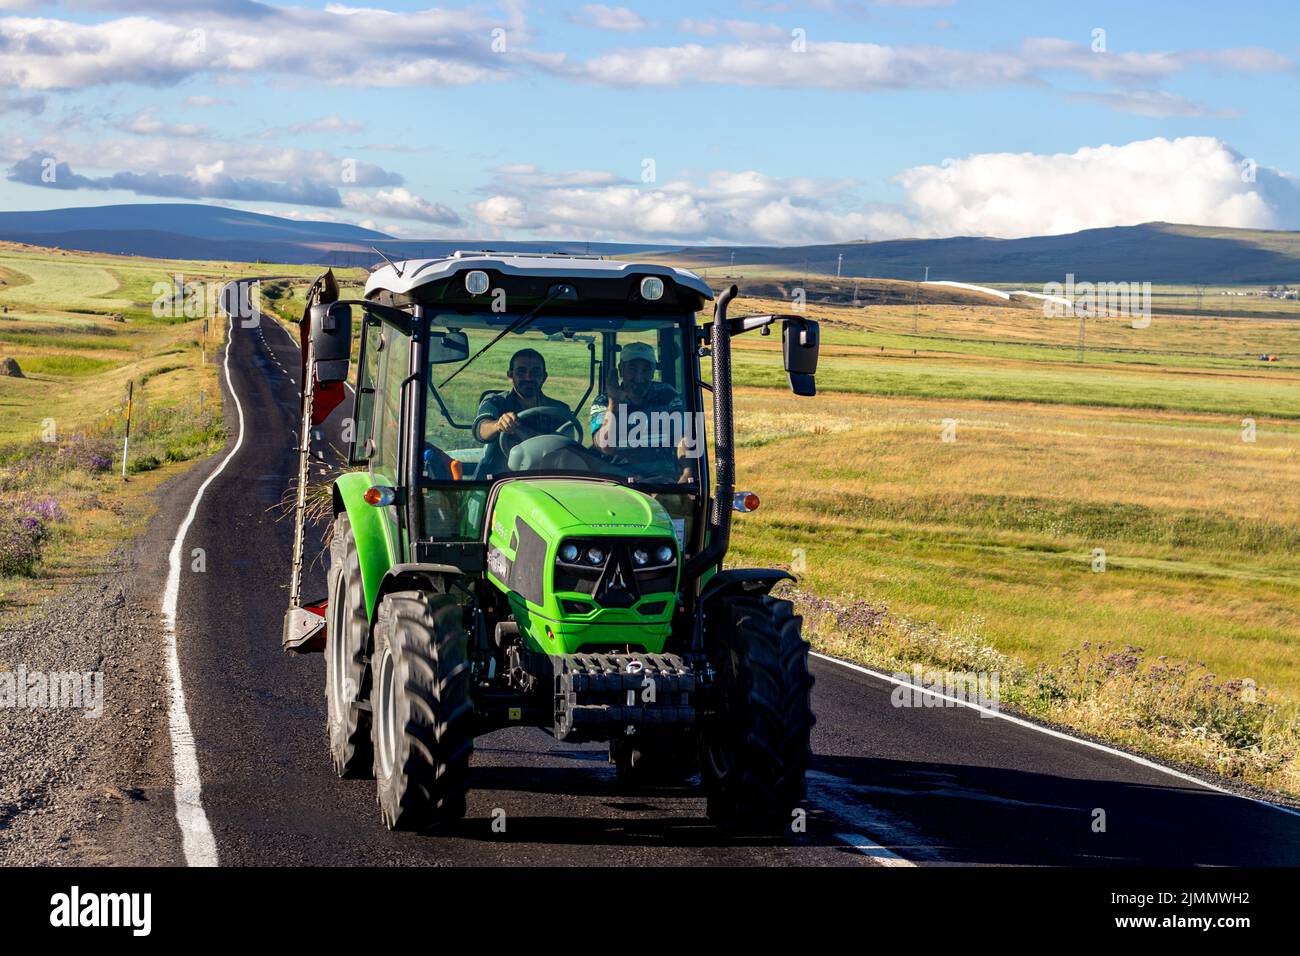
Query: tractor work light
[476, 282]
[652, 287]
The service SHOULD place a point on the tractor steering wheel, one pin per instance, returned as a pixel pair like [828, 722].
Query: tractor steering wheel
[508, 440]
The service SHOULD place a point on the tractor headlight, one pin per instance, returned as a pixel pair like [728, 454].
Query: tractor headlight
[663, 554]
[595, 556]
[640, 557]
[568, 553]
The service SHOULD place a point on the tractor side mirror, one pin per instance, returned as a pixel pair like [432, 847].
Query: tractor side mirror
[800, 340]
[331, 341]
[448, 347]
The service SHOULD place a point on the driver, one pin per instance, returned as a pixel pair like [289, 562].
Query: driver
[499, 411]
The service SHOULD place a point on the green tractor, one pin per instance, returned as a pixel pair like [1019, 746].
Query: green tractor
[532, 536]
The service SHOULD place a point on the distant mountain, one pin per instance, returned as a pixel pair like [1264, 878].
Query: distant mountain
[1157, 252]
[182, 219]
[196, 231]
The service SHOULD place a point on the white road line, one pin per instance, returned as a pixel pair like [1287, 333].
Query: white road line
[868, 847]
[843, 798]
[197, 841]
[990, 712]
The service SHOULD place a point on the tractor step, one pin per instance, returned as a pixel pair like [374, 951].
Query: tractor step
[599, 696]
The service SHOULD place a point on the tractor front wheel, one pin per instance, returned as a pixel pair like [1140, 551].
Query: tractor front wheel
[421, 710]
[756, 750]
[347, 664]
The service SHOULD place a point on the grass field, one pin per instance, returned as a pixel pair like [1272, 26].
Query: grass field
[1115, 532]
[82, 328]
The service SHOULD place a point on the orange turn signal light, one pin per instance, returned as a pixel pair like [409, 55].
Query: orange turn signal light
[379, 496]
[745, 501]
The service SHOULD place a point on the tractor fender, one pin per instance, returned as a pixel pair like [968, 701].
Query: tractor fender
[747, 581]
[368, 532]
[416, 577]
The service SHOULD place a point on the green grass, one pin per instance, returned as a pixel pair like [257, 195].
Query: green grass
[65, 365]
[78, 364]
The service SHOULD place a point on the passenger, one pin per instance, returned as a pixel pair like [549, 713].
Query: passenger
[638, 419]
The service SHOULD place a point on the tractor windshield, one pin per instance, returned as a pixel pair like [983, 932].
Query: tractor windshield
[594, 395]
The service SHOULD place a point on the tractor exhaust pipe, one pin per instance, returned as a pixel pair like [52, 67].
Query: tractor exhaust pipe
[724, 486]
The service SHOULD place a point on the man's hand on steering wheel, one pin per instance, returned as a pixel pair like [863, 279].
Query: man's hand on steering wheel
[520, 428]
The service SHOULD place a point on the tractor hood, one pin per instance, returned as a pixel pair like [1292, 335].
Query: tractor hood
[557, 505]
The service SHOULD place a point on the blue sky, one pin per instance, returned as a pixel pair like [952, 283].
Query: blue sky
[775, 122]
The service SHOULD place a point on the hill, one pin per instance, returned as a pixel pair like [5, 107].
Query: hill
[1157, 252]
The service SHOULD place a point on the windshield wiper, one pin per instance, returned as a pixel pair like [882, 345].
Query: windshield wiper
[514, 326]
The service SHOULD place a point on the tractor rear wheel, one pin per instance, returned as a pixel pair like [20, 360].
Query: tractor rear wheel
[421, 709]
[347, 662]
[755, 750]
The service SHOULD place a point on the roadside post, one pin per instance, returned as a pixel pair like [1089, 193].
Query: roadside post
[126, 440]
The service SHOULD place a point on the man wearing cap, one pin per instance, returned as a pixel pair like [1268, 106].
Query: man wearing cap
[623, 418]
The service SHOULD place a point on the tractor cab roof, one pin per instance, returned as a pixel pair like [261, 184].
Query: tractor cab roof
[598, 284]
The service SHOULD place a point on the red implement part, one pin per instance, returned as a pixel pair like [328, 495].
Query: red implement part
[327, 397]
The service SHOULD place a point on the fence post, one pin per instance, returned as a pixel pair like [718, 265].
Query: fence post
[126, 440]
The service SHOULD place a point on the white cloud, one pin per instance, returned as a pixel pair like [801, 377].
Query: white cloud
[181, 155]
[1197, 180]
[1154, 103]
[33, 105]
[402, 204]
[740, 29]
[745, 206]
[145, 122]
[324, 124]
[426, 47]
[505, 212]
[614, 19]
[767, 57]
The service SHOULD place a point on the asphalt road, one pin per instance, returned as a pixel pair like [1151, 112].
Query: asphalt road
[889, 785]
